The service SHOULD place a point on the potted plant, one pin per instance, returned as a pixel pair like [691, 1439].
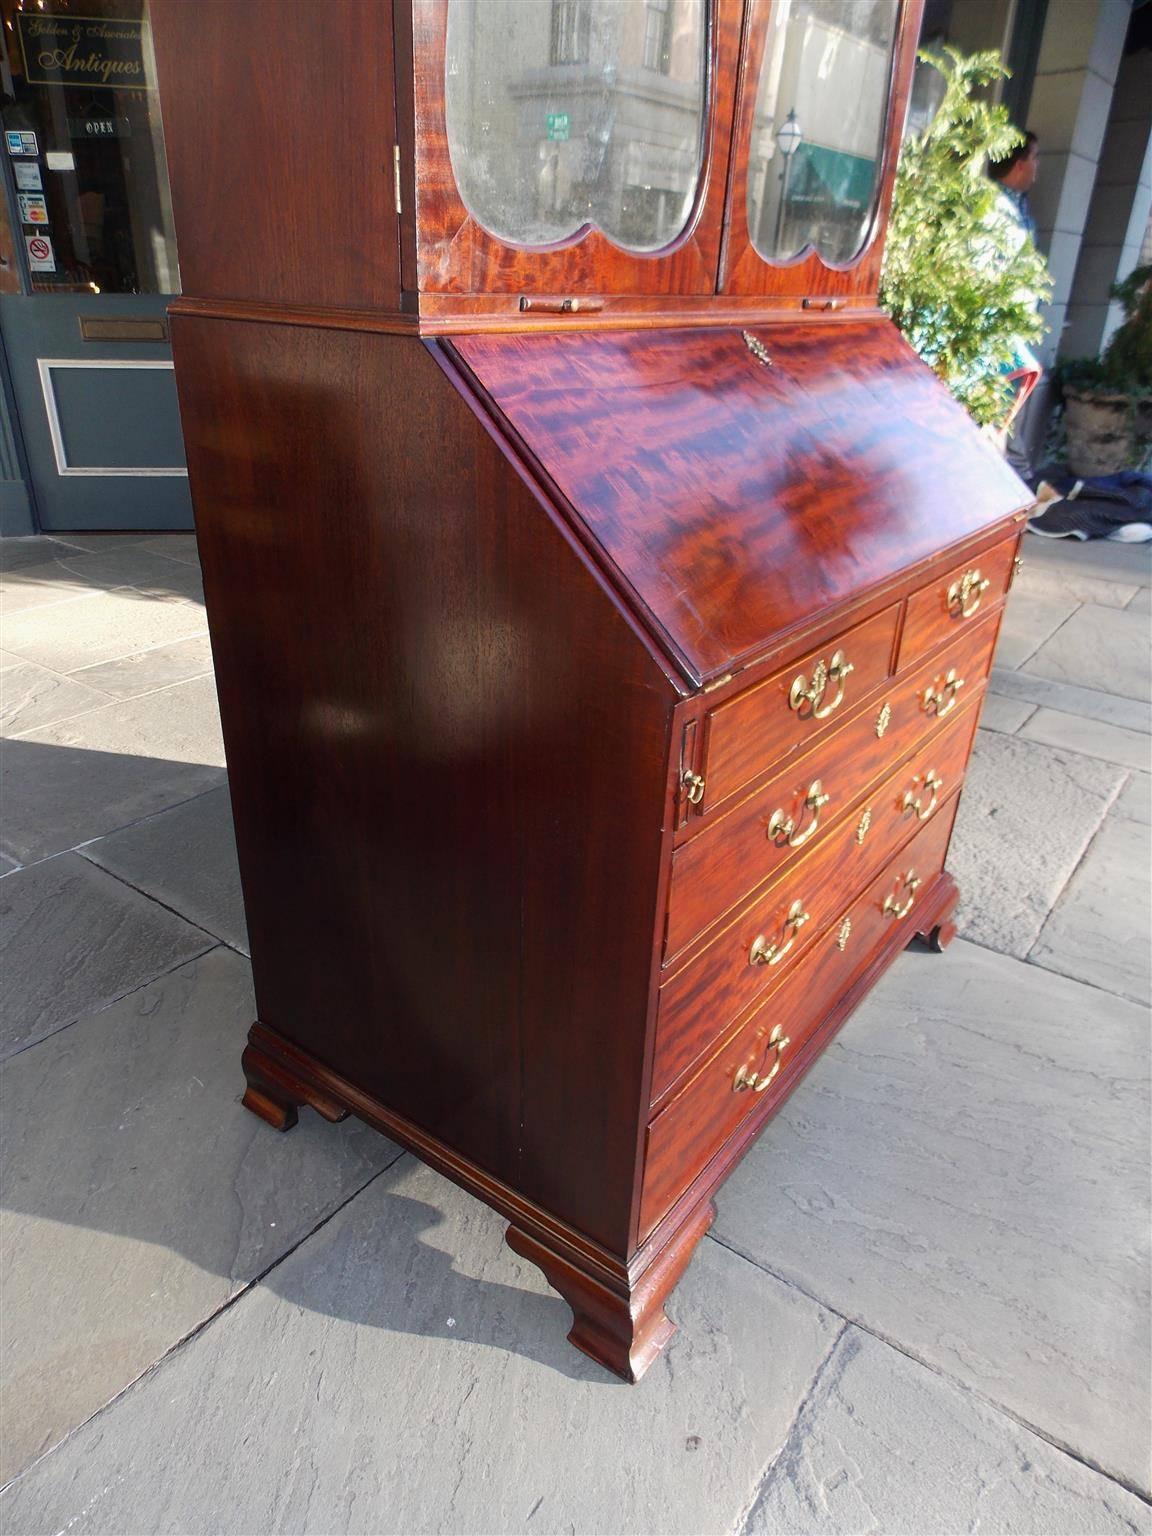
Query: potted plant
[959, 282]
[1108, 400]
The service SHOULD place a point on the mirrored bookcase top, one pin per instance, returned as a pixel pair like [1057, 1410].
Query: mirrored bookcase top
[568, 114]
[818, 132]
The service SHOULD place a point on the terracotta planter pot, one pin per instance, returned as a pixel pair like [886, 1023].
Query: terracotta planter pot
[1107, 432]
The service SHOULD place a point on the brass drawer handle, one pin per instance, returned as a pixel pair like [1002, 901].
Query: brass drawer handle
[964, 595]
[693, 786]
[892, 907]
[782, 829]
[758, 1081]
[940, 701]
[812, 693]
[913, 805]
[763, 953]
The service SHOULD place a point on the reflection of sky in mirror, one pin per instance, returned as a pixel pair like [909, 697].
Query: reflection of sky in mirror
[568, 113]
[818, 132]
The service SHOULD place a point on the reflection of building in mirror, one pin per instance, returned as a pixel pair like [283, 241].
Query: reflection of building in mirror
[568, 113]
[814, 165]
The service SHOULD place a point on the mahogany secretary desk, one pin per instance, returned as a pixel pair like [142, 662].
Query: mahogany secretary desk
[601, 592]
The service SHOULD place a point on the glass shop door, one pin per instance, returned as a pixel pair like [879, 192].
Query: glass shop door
[90, 231]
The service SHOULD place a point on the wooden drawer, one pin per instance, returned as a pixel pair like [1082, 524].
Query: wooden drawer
[749, 733]
[729, 858]
[684, 1138]
[955, 601]
[703, 998]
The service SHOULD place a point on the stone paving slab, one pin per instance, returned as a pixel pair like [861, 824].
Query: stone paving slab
[1098, 558]
[105, 626]
[75, 575]
[139, 1196]
[35, 550]
[1135, 799]
[68, 783]
[1109, 708]
[998, 713]
[404, 1372]
[1099, 929]
[1092, 738]
[1046, 578]
[1027, 814]
[31, 696]
[186, 858]
[884, 1445]
[1142, 602]
[146, 671]
[1103, 648]
[965, 1173]
[177, 546]
[1029, 620]
[73, 939]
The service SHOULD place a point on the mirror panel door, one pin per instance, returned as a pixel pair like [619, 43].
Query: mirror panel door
[823, 97]
[570, 146]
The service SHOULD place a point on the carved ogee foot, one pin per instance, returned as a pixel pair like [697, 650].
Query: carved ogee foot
[622, 1327]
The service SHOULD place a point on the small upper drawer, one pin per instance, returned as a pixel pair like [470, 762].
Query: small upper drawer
[749, 733]
[954, 601]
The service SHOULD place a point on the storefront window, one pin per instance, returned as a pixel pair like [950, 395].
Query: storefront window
[85, 147]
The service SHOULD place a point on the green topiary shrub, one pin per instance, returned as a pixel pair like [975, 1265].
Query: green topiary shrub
[956, 279]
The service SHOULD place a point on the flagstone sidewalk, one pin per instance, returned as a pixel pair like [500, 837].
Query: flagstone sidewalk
[923, 1307]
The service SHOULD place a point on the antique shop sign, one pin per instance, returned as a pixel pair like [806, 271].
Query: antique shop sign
[105, 53]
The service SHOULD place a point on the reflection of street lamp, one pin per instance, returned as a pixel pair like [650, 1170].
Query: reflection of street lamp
[787, 142]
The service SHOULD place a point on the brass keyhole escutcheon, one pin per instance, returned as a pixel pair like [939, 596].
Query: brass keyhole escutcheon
[783, 830]
[808, 697]
[842, 936]
[758, 1081]
[863, 824]
[883, 719]
[913, 804]
[765, 953]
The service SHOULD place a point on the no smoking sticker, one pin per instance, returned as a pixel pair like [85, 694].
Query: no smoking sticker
[41, 257]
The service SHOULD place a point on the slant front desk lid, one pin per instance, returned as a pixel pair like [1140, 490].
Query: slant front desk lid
[741, 482]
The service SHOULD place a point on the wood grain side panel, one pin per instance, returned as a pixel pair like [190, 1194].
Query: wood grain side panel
[279, 123]
[447, 752]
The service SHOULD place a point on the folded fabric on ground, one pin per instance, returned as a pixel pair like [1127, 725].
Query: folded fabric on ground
[1116, 507]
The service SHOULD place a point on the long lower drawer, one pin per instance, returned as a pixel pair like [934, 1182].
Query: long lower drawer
[769, 937]
[753, 1070]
